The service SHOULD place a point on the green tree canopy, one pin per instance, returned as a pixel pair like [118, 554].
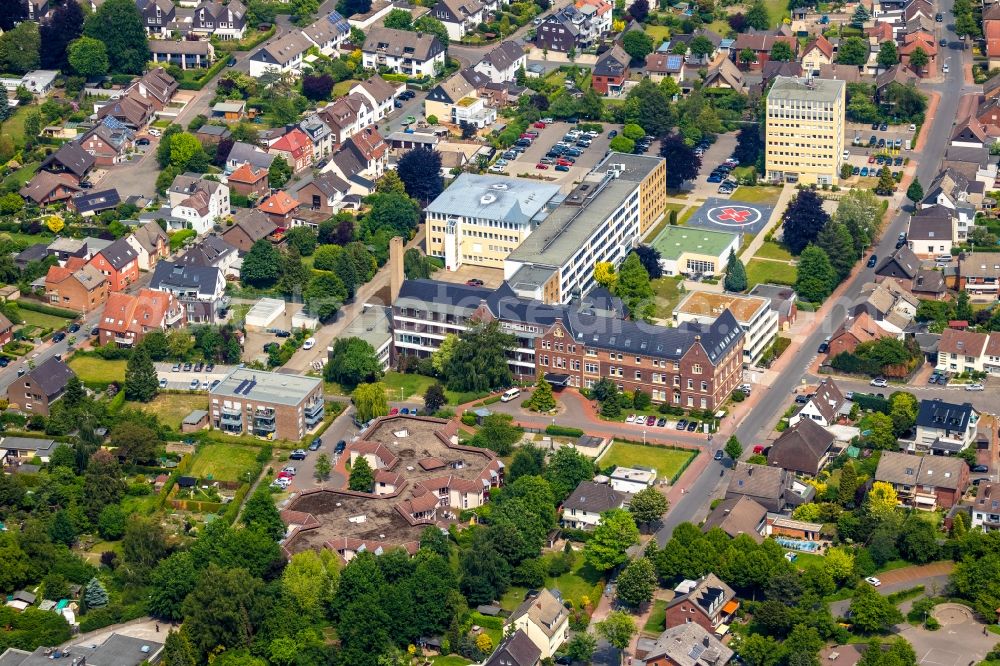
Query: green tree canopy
[615, 534]
[118, 24]
[352, 362]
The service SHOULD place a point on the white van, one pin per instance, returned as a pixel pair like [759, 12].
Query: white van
[510, 394]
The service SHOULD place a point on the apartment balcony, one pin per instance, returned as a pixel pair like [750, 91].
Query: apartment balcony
[232, 429]
[314, 408]
[263, 427]
[231, 417]
[173, 317]
[314, 416]
[264, 412]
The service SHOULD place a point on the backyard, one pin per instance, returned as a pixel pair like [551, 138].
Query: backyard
[667, 462]
[772, 250]
[400, 387]
[171, 408]
[581, 584]
[766, 270]
[223, 462]
[41, 319]
[657, 617]
[93, 369]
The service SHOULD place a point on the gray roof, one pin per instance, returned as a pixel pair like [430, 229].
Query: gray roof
[500, 198]
[72, 157]
[794, 88]
[801, 448]
[940, 415]
[260, 386]
[736, 516]
[515, 650]
[245, 152]
[504, 55]
[757, 481]
[207, 252]
[933, 223]
[51, 376]
[900, 264]
[402, 43]
[119, 254]
[782, 297]
[373, 325]
[169, 276]
[329, 184]
[285, 48]
[594, 498]
[40, 446]
[690, 644]
[908, 469]
[195, 417]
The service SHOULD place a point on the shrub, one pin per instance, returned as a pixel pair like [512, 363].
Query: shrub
[469, 419]
[562, 431]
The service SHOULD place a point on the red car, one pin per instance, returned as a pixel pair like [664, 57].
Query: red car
[565, 163]
[284, 475]
[527, 136]
[541, 166]
[758, 449]
[540, 125]
[871, 159]
[393, 411]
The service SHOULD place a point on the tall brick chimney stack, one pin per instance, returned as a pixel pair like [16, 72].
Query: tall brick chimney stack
[395, 267]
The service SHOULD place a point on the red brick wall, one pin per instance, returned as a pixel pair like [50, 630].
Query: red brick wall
[681, 613]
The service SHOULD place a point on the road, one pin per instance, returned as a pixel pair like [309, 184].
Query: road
[987, 401]
[342, 428]
[761, 419]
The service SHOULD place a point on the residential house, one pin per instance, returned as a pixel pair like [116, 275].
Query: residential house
[347, 116]
[245, 153]
[70, 159]
[230, 111]
[249, 227]
[186, 54]
[598, 12]
[324, 193]
[565, 30]
[109, 142]
[83, 290]
[63, 248]
[891, 304]
[281, 56]
[455, 101]
[6, 330]
[200, 290]
[32, 253]
[151, 243]
[924, 482]
[515, 650]
[361, 161]
[212, 18]
[904, 267]
[991, 33]
[925, 42]
[119, 263]
[824, 407]
[945, 428]
[296, 148]
[986, 507]
[771, 487]
[279, 207]
[708, 602]
[328, 33]
[127, 318]
[381, 95]
[932, 231]
[952, 190]
[772, 69]
[979, 274]
[803, 449]
[157, 15]
[212, 251]
[661, 65]
[688, 644]
[760, 44]
[403, 52]
[583, 508]
[783, 300]
[855, 330]
[817, 54]
[36, 390]
[611, 71]
[961, 351]
[460, 17]
[544, 619]
[37, 10]
[92, 202]
[24, 449]
[736, 516]
[248, 181]
[196, 203]
[502, 63]
[320, 135]
[148, 95]
[897, 74]
[725, 75]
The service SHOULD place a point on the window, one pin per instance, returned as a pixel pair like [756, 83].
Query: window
[696, 368]
[690, 384]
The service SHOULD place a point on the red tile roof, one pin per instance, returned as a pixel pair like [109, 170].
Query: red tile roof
[279, 203]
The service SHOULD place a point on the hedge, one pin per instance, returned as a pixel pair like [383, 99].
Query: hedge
[201, 82]
[233, 509]
[562, 431]
[486, 621]
[230, 45]
[871, 402]
[98, 618]
[46, 309]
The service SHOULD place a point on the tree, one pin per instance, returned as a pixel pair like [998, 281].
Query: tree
[420, 171]
[303, 238]
[639, 10]
[260, 513]
[871, 612]
[918, 541]
[919, 58]
[352, 361]
[881, 501]
[416, 266]
[225, 608]
[178, 651]
[581, 647]
[840, 567]
[852, 51]
[747, 56]
[615, 534]
[62, 530]
[479, 360]
[963, 308]
[965, 25]
[701, 47]
[323, 467]
[637, 581]
[19, 48]
[684, 163]
[170, 582]
[637, 44]
[648, 505]
[648, 106]
[64, 25]
[860, 16]
[362, 478]
[803, 220]
[497, 433]
[835, 240]
[566, 469]
[134, 442]
[878, 431]
[903, 408]
[886, 183]
[541, 399]
[649, 257]
[622, 144]
[187, 153]
[633, 287]
[88, 56]
[617, 629]
[324, 294]
[140, 377]
[94, 594]
[279, 172]
[434, 397]
[604, 274]
[733, 448]
[145, 543]
[317, 87]
[369, 401]
[12, 13]
[261, 265]
[848, 484]
[888, 55]
[102, 484]
[118, 24]
[816, 276]
[781, 52]
[736, 273]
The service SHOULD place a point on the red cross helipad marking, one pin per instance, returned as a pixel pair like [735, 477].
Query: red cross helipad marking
[736, 215]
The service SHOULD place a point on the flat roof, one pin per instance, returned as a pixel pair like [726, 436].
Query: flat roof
[372, 325]
[346, 515]
[673, 241]
[261, 386]
[505, 198]
[709, 304]
[800, 88]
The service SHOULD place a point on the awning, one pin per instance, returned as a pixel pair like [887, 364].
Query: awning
[722, 630]
[557, 380]
[731, 607]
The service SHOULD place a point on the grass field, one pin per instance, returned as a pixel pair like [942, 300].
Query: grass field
[42, 320]
[581, 581]
[657, 617]
[756, 194]
[171, 408]
[412, 385]
[776, 272]
[223, 462]
[340, 89]
[668, 295]
[658, 33]
[450, 660]
[777, 10]
[771, 250]
[666, 462]
[92, 369]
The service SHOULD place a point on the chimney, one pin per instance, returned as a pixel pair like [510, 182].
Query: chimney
[395, 267]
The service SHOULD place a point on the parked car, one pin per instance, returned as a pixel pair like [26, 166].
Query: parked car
[215, 382]
[975, 387]
[541, 166]
[682, 424]
[199, 366]
[474, 282]
[650, 420]
[339, 448]
[873, 581]
[801, 399]
[163, 381]
[718, 455]
[187, 367]
[692, 426]
[210, 367]
[872, 261]
[883, 127]
[59, 337]
[297, 454]
[561, 167]
[309, 343]
[980, 469]
[823, 348]
[74, 327]
[194, 384]
[879, 382]
[612, 134]
[176, 368]
[661, 422]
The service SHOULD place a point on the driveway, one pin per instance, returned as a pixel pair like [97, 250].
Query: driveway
[305, 477]
[713, 157]
[934, 578]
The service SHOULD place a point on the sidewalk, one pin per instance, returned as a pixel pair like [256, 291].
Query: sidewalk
[787, 192]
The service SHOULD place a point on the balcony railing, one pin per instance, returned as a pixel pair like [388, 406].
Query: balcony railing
[263, 427]
[314, 408]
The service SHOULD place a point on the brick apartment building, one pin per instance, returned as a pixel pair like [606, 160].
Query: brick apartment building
[266, 404]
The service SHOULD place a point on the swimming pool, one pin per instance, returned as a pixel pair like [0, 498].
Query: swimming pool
[794, 544]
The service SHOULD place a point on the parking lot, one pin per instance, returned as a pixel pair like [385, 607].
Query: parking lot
[716, 154]
[182, 379]
[526, 164]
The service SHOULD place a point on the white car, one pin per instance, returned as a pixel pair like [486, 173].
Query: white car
[879, 382]
[913, 128]
[289, 468]
[498, 168]
[873, 581]
[154, 132]
[309, 343]
[975, 387]
[630, 418]
[195, 384]
[281, 483]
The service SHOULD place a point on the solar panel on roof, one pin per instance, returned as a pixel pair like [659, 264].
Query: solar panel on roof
[113, 123]
[674, 61]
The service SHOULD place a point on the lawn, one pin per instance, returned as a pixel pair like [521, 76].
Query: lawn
[658, 33]
[668, 295]
[449, 660]
[42, 320]
[341, 89]
[582, 581]
[14, 126]
[777, 10]
[97, 370]
[657, 617]
[223, 462]
[666, 462]
[400, 386]
[171, 408]
[775, 272]
[756, 194]
[771, 250]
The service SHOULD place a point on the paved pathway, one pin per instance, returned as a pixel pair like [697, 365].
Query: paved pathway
[787, 192]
